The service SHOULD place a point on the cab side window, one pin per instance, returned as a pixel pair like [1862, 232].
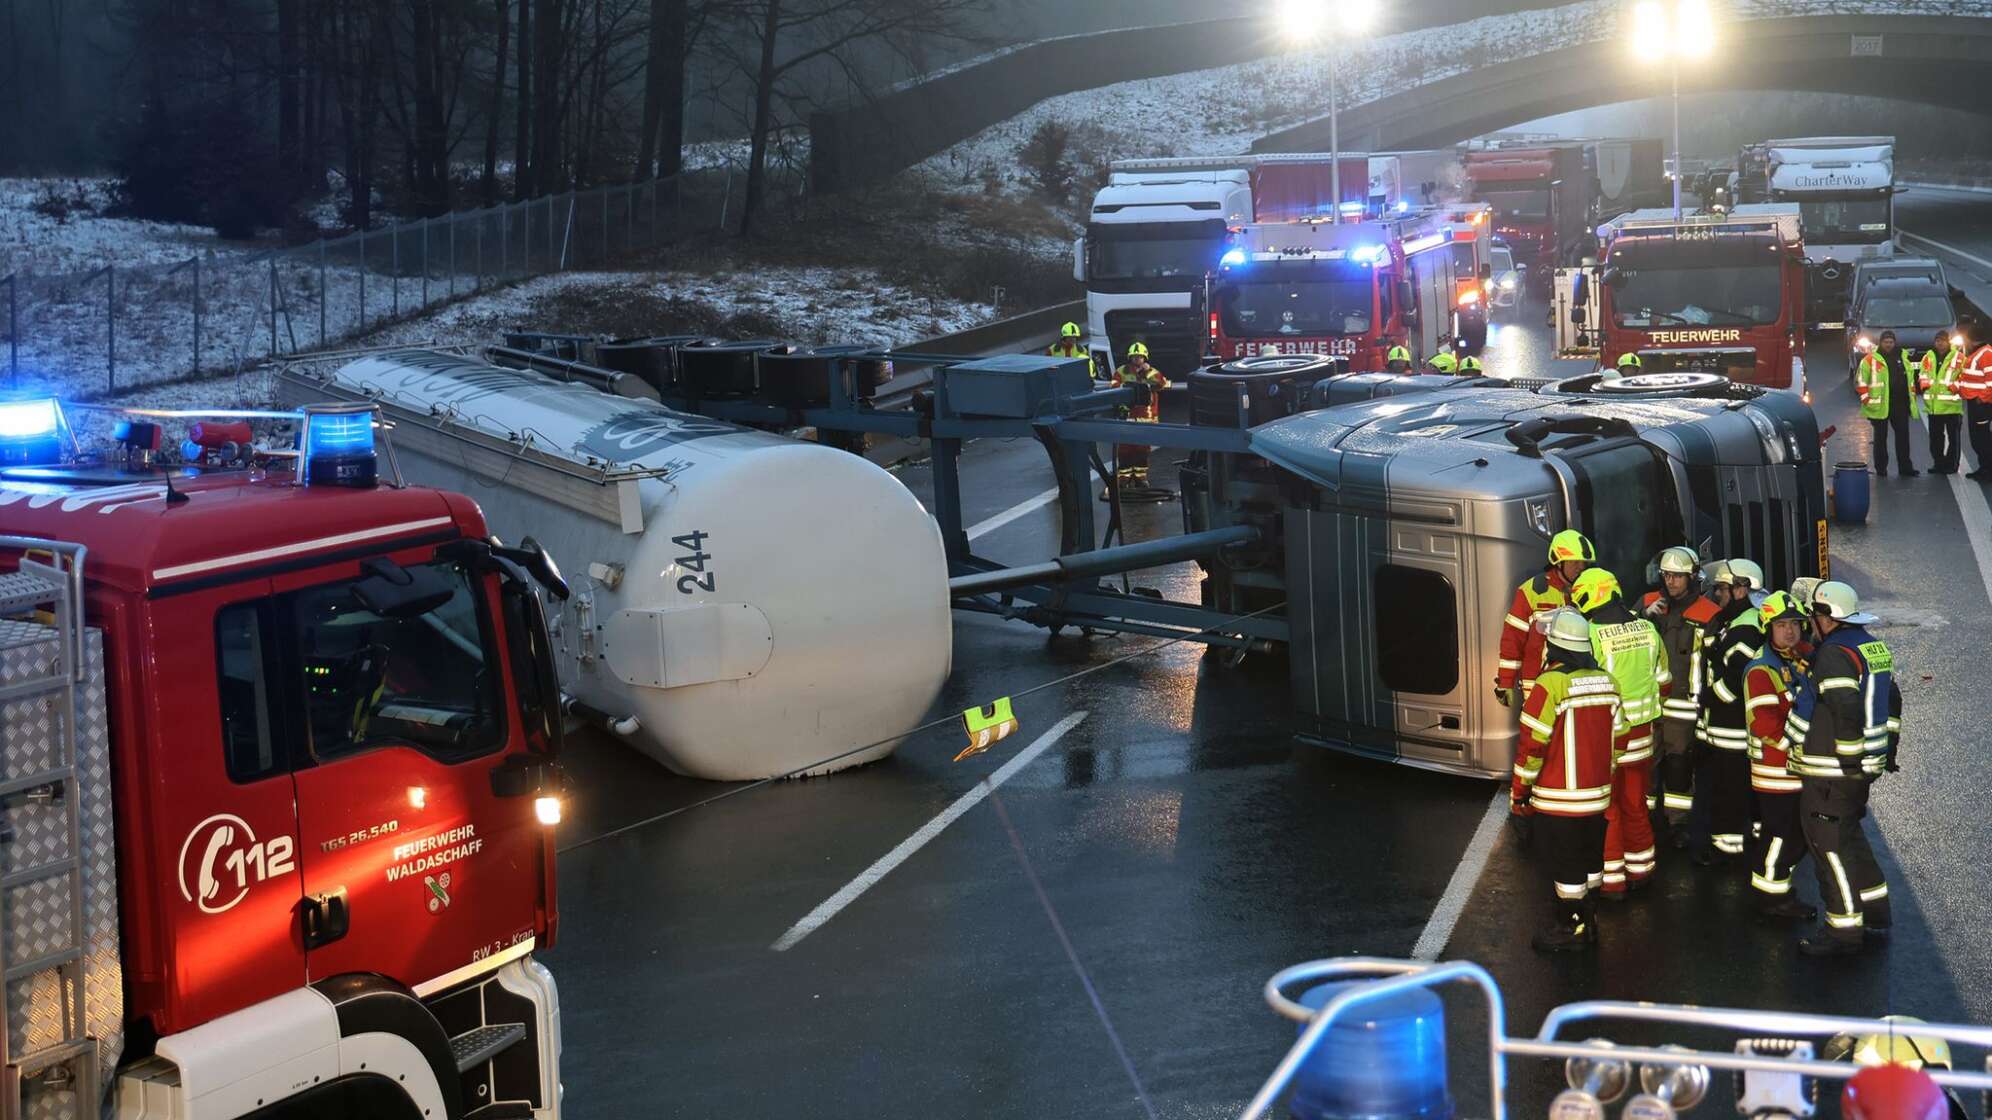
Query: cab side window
[426, 679]
[243, 676]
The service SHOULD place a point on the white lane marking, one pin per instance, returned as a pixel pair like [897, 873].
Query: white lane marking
[1021, 508]
[1951, 249]
[1977, 523]
[1439, 927]
[870, 876]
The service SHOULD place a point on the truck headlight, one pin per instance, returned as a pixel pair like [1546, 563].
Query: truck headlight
[547, 809]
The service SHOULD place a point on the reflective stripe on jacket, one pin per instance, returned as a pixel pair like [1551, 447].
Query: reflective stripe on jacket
[1767, 689]
[1521, 642]
[1735, 638]
[1156, 382]
[1680, 625]
[1569, 724]
[1631, 652]
[1847, 722]
[1974, 381]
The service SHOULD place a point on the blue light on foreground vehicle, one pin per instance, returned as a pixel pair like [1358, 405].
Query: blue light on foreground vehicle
[1232, 258]
[1366, 254]
[1382, 1060]
[30, 432]
[339, 446]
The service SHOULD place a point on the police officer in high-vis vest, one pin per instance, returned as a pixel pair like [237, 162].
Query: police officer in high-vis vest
[1769, 683]
[1888, 382]
[1629, 649]
[1844, 727]
[1521, 638]
[1940, 366]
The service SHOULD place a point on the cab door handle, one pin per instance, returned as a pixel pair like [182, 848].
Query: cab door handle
[326, 918]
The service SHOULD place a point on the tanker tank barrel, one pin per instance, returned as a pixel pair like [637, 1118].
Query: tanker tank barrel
[1125, 558]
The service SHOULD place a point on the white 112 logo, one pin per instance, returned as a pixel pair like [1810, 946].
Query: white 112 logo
[221, 858]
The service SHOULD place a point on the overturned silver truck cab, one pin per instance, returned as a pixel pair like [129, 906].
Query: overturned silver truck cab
[1411, 507]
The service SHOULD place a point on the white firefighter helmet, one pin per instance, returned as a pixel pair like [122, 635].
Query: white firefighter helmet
[1840, 602]
[1746, 572]
[1680, 560]
[1569, 630]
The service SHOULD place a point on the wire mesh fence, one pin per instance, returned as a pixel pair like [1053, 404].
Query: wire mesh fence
[117, 328]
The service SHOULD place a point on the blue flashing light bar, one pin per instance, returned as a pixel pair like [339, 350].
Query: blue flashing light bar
[1366, 254]
[30, 432]
[338, 446]
[1403, 205]
[1232, 258]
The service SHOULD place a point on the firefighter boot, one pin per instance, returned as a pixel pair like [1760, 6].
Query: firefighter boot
[1821, 943]
[1786, 909]
[1574, 929]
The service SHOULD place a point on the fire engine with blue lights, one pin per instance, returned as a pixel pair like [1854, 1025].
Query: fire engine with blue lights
[281, 772]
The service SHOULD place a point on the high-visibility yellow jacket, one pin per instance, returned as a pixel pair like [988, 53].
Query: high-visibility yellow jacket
[1871, 380]
[1940, 382]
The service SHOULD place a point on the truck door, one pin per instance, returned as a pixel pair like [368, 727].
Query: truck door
[222, 805]
[1623, 497]
[414, 865]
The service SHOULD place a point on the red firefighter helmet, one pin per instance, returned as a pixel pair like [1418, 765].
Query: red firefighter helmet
[1893, 1092]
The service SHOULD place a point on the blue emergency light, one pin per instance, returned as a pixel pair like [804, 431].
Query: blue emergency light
[30, 432]
[1232, 258]
[1381, 1060]
[1366, 254]
[338, 446]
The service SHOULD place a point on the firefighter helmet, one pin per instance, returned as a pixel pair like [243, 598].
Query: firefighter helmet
[1838, 601]
[1069, 330]
[1443, 362]
[1746, 573]
[1802, 589]
[1594, 589]
[1896, 1046]
[1469, 364]
[1780, 607]
[1571, 545]
[1680, 560]
[1569, 630]
[1631, 361]
[1137, 349]
[1399, 354]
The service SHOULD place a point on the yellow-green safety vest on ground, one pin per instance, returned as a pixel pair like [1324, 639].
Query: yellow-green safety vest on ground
[1942, 394]
[1873, 376]
[1631, 652]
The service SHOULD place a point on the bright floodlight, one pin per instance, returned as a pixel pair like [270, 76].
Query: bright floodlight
[1680, 29]
[1304, 21]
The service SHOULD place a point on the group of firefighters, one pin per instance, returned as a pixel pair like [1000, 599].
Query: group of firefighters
[1769, 712]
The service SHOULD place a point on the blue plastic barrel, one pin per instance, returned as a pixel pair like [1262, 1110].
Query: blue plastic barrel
[1850, 493]
[1384, 1060]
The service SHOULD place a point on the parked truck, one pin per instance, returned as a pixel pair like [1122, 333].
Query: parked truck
[1844, 187]
[281, 771]
[1542, 199]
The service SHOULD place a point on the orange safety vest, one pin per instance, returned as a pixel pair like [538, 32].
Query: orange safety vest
[1974, 381]
[1156, 382]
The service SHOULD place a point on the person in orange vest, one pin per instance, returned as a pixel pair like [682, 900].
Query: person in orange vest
[1974, 384]
[1570, 552]
[1768, 685]
[1133, 458]
[1563, 776]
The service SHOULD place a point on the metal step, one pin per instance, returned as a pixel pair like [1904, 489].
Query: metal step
[475, 1047]
[24, 591]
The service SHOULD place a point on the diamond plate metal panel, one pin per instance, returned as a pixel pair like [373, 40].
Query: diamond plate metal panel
[34, 917]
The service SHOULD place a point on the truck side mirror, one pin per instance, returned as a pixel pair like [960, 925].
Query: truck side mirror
[538, 563]
[1079, 259]
[529, 647]
[1615, 279]
[1487, 272]
[1407, 301]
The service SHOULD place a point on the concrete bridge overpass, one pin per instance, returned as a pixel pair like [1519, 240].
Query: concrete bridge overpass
[1450, 77]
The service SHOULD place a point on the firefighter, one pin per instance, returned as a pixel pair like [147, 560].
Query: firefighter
[1398, 360]
[1442, 362]
[1563, 776]
[1628, 648]
[1469, 365]
[1521, 642]
[1974, 384]
[1940, 366]
[1679, 610]
[1731, 640]
[1889, 399]
[1131, 467]
[1769, 682]
[1069, 346]
[1844, 728]
[1629, 364]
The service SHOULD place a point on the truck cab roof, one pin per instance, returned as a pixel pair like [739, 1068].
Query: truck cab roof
[1173, 198]
[229, 524]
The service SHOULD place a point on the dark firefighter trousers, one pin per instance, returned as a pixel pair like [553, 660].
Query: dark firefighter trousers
[1676, 783]
[1573, 851]
[1722, 781]
[1780, 847]
[1851, 888]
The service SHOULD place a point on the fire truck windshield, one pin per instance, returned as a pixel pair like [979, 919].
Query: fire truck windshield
[1517, 206]
[1273, 307]
[426, 681]
[1856, 221]
[1736, 295]
[1138, 253]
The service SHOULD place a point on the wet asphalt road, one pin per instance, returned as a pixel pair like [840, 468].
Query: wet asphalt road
[1186, 850]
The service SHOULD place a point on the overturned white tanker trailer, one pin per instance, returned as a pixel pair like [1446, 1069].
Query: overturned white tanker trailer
[752, 604]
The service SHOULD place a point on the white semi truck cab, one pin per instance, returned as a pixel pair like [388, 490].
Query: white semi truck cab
[1844, 187]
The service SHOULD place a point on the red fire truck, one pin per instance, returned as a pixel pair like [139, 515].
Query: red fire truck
[1718, 293]
[281, 774]
[1352, 290]
[1541, 198]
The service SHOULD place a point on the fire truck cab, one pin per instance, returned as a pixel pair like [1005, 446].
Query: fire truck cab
[1351, 290]
[1713, 293]
[284, 741]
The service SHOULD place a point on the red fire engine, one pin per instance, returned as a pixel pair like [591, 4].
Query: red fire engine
[1541, 198]
[281, 761]
[1352, 290]
[1718, 293]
